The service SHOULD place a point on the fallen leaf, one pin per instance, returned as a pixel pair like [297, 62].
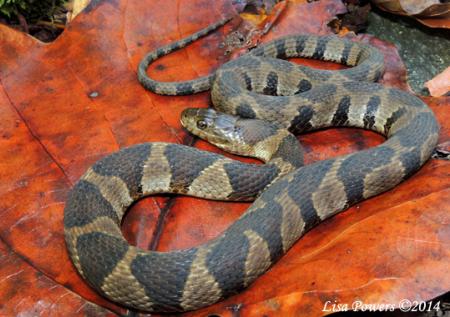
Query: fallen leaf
[251, 30]
[439, 85]
[69, 103]
[76, 6]
[432, 13]
[28, 292]
[355, 20]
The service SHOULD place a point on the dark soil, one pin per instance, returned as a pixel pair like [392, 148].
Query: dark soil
[46, 27]
[425, 51]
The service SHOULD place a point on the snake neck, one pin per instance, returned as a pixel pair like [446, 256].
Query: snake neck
[264, 141]
[282, 149]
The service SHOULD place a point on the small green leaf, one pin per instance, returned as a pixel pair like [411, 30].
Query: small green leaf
[6, 12]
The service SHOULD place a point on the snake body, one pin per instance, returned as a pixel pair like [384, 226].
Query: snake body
[255, 86]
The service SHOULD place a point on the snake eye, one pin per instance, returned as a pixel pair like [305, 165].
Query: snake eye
[201, 124]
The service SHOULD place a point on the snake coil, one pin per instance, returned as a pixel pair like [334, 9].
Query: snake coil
[256, 86]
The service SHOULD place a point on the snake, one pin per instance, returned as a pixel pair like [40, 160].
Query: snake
[260, 101]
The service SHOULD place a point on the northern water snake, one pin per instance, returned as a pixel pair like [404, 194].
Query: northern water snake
[255, 86]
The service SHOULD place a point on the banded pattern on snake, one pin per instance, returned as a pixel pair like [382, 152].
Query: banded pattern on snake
[264, 98]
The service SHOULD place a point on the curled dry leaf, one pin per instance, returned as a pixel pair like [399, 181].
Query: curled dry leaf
[432, 13]
[355, 20]
[76, 7]
[256, 19]
[252, 29]
[439, 85]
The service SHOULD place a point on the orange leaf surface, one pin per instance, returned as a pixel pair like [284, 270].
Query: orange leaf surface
[69, 103]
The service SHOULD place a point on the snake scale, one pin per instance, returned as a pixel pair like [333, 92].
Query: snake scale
[291, 198]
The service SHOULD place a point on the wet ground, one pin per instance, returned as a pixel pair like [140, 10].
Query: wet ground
[425, 51]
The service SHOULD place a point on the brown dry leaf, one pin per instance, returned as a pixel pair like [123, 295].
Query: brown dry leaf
[432, 13]
[256, 28]
[355, 20]
[439, 85]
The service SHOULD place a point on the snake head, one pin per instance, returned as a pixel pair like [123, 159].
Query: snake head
[233, 134]
[218, 128]
[215, 127]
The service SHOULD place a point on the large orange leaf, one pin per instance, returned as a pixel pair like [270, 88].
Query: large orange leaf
[67, 104]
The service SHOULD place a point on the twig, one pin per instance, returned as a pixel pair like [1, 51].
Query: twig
[51, 24]
[23, 22]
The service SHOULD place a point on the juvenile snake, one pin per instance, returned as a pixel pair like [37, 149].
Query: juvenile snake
[291, 198]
